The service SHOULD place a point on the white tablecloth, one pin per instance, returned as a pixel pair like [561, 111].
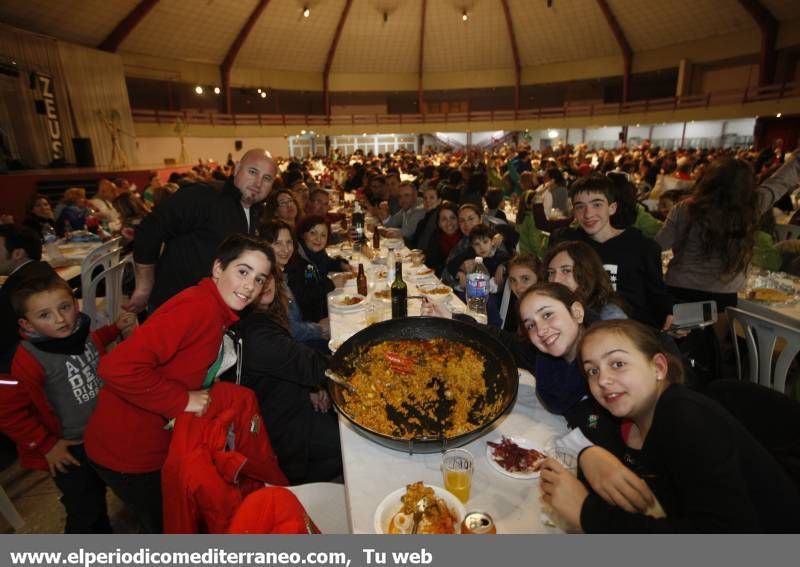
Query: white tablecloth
[372, 471]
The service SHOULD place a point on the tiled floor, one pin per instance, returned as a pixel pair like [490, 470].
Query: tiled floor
[36, 498]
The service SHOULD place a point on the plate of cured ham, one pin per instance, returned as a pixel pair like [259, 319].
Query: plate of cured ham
[515, 457]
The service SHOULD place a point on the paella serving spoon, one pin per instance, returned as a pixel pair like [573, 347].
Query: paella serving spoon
[334, 377]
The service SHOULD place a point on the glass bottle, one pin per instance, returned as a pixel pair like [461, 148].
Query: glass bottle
[376, 239]
[399, 293]
[361, 281]
[358, 222]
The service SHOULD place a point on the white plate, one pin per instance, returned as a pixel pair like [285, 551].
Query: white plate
[420, 273]
[522, 442]
[396, 243]
[391, 505]
[336, 302]
[424, 289]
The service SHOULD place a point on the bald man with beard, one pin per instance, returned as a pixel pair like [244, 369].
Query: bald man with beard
[191, 224]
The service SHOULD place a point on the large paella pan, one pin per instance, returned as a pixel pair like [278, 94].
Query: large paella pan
[425, 383]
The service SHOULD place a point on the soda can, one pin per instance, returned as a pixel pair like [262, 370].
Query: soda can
[478, 522]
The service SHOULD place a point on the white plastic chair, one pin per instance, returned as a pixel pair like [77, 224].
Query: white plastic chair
[100, 256]
[107, 309]
[761, 335]
[787, 232]
[325, 504]
[9, 511]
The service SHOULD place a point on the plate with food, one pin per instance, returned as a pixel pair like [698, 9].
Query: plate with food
[384, 294]
[515, 457]
[420, 272]
[348, 301]
[435, 292]
[432, 508]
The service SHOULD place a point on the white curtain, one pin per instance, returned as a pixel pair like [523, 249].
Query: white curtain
[27, 130]
[99, 99]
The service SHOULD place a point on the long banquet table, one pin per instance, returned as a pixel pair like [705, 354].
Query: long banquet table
[372, 471]
[69, 266]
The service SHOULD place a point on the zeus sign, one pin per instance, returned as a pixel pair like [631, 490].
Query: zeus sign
[47, 106]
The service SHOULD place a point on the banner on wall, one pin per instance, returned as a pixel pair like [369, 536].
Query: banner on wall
[42, 84]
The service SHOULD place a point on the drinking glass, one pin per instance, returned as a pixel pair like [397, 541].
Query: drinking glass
[569, 460]
[457, 468]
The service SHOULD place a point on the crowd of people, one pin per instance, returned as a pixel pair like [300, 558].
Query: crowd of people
[232, 276]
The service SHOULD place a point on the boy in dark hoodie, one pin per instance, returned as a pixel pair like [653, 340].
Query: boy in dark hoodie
[46, 401]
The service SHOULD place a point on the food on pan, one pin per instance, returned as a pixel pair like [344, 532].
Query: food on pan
[348, 275]
[423, 272]
[348, 300]
[419, 388]
[768, 294]
[433, 514]
[514, 458]
[384, 294]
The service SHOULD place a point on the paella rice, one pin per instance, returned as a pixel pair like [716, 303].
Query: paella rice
[419, 388]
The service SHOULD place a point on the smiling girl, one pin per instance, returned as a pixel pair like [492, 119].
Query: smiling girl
[576, 265]
[164, 369]
[708, 472]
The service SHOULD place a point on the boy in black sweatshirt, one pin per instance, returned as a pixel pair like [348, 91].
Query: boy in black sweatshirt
[633, 262]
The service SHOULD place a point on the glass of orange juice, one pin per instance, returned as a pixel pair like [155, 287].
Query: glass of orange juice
[457, 468]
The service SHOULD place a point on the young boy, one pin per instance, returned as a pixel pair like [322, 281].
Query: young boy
[633, 262]
[481, 239]
[494, 200]
[51, 392]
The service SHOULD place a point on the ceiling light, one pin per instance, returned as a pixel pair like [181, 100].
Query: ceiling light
[552, 134]
[637, 125]
[464, 16]
[258, 91]
[263, 94]
[364, 134]
[302, 132]
[778, 115]
[198, 89]
[306, 12]
[216, 90]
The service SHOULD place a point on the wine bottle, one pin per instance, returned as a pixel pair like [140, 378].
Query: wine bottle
[399, 293]
[361, 281]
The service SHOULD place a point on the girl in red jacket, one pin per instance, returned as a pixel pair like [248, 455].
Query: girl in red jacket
[165, 368]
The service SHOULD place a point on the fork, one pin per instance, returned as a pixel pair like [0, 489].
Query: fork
[419, 510]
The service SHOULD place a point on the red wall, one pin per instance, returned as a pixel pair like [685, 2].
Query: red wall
[770, 129]
[17, 188]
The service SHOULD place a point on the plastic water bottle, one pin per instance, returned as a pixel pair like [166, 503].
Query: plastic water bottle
[50, 246]
[477, 292]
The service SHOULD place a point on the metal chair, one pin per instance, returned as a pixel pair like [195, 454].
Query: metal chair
[107, 309]
[787, 232]
[761, 335]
